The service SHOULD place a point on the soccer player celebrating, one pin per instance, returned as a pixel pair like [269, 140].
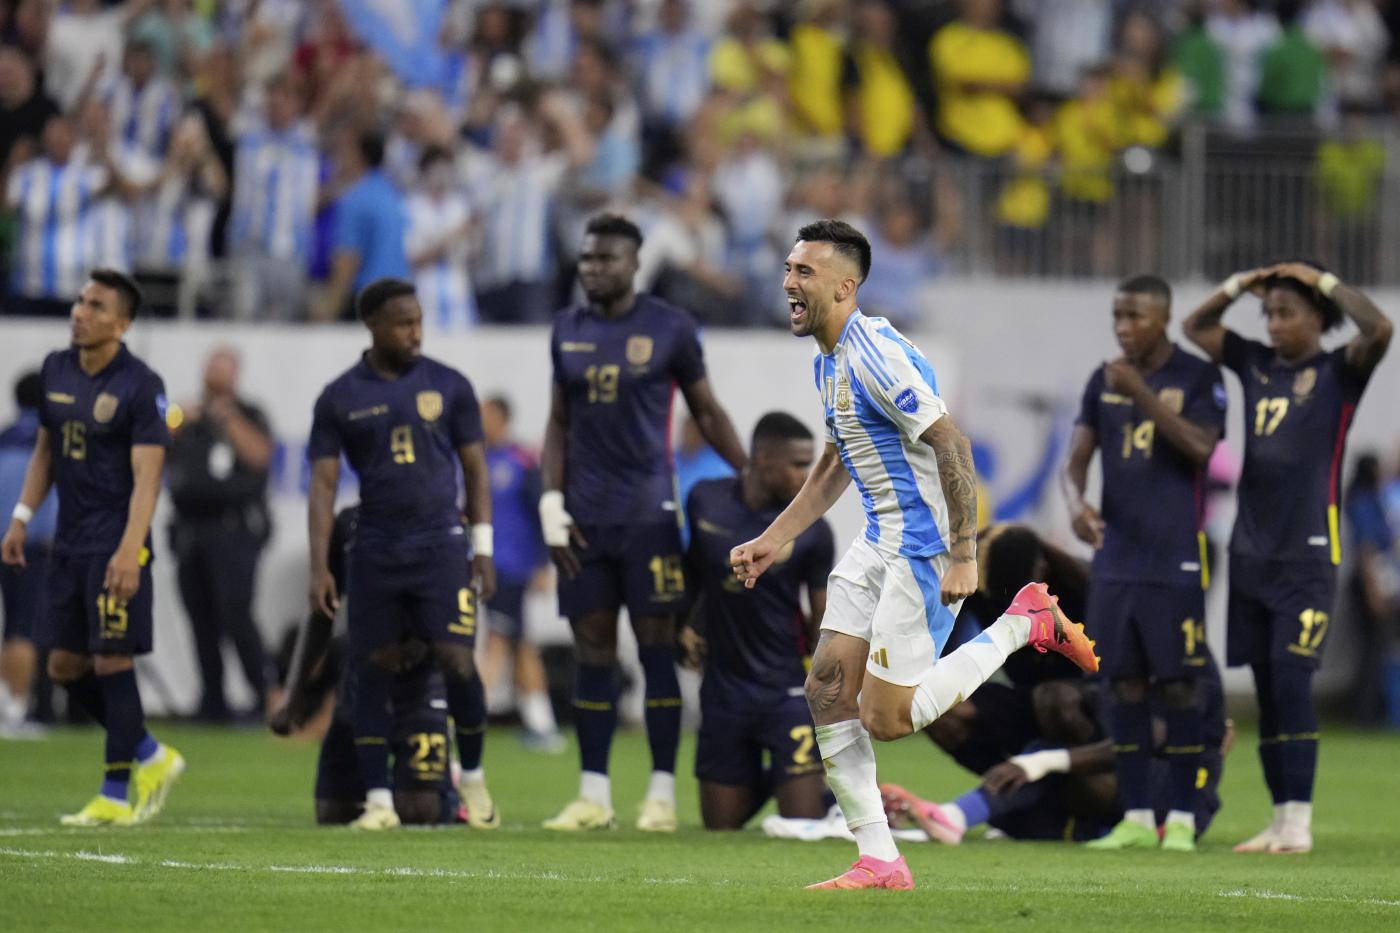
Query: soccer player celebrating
[608, 511]
[892, 598]
[102, 443]
[1299, 401]
[405, 422]
[1153, 416]
[755, 641]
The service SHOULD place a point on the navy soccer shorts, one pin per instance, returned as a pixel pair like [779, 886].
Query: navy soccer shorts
[737, 735]
[82, 618]
[1148, 629]
[639, 566]
[424, 593]
[1279, 612]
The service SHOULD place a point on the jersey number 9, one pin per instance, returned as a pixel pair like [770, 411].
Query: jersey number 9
[401, 443]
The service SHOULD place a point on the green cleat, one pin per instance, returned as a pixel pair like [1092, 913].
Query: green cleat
[1126, 835]
[1178, 837]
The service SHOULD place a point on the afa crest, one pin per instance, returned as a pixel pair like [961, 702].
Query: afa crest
[104, 408]
[1172, 398]
[1305, 382]
[639, 350]
[430, 405]
[843, 397]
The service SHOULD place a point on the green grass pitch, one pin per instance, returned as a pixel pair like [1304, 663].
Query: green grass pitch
[236, 849]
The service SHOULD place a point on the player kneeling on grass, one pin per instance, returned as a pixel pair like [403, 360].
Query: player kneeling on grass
[754, 642]
[423, 788]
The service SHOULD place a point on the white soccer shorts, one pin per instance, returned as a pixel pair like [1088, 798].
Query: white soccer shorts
[895, 604]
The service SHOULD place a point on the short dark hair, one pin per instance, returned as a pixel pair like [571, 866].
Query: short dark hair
[1326, 308]
[371, 146]
[614, 225]
[29, 390]
[431, 154]
[374, 296]
[501, 402]
[122, 285]
[1147, 284]
[779, 426]
[847, 240]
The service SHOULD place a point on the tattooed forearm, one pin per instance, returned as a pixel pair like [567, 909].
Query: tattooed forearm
[959, 480]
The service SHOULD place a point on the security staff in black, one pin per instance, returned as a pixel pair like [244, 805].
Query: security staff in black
[218, 470]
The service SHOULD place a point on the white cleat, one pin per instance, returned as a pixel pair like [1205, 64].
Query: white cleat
[657, 816]
[1292, 840]
[1263, 842]
[376, 818]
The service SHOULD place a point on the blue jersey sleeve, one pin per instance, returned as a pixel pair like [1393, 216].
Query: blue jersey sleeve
[466, 415]
[148, 425]
[325, 438]
[349, 230]
[688, 361]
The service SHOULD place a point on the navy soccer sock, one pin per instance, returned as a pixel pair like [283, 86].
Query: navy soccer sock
[1183, 749]
[466, 699]
[126, 728]
[1270, 751]
[663, 705]
[1132, 738]
[595, 715]
[1297, 738]
[371, 721]
[86, 692]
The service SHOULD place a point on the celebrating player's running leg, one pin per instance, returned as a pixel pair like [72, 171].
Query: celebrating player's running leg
[892, 598]
[1298, 406]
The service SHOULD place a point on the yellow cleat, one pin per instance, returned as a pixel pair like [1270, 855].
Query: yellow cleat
[581, 815]
[375, 818]
[100, 811]
[658, 816]
[481, 809]
[153, 783]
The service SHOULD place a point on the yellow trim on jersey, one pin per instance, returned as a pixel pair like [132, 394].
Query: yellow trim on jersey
[1205, 559]
[1333, 535]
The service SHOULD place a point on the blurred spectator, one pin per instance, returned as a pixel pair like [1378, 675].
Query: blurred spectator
[1201, 61]
[906, 257]
[1088, 135]
[29, 28]
[671, 71]
[883, 113]
[748, 185]
[1291, 69]
[275, 182]
[368, 240]
[440, 224]
[52, 195]
[107, 233]
[520, 559]
[141, 105]
[1354, 37]
[328, 49]
[1243, 31]
[218, 84]
[749, 66]
[22, 589]
[1067, 36]
[489, 58]
[516, 189]
[979, 70]
[559, 27]
[1373, 585]
[1023, 204]
[683, 258]
[84, 51]
[818, 44]
[217, 469]
[178, 36]
[24, 108]
[1148, 92]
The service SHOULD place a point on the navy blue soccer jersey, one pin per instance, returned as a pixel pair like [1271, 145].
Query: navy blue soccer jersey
[1296, 418]
[401, 436]
[756, 637]
[1153, 495]
[93, 422]
[619, 377]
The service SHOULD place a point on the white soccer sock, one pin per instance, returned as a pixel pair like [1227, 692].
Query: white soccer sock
[850, 771]
[662, 787]
[536, 713]
[1181, 816]
[1144, 818]
[955, 815]
[380, 797]
[952, 679]
[1297, 815]
[474, 776]
[595, 787]
[1280, 816]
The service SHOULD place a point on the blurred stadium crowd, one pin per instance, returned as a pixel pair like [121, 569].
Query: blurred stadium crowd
[261, 159]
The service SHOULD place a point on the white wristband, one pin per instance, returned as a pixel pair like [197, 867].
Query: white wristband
[1326, 283]
[1038, 764]
[22, 513]
[1231, 287]
[483, 540]
[554, 519]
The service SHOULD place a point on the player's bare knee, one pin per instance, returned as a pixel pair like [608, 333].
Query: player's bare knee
[1130, 690]
[105, 664]
[455, 659]
[416, 808]
[336, 812]
[66, 667]
[596, 640]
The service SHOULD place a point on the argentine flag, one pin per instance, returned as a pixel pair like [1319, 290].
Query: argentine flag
[404, 34]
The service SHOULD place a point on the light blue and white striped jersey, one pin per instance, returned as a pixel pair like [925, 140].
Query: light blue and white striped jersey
[517, 203]
[878, 395]
[275, 180]
[444, 289]
[145, 117]
[672, 73]
[51, 253]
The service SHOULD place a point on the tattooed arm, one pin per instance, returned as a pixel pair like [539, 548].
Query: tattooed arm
[959, 480]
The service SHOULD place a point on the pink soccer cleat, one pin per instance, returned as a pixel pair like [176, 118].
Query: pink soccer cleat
[869, 872]
[926, 814]
[1050, 630]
